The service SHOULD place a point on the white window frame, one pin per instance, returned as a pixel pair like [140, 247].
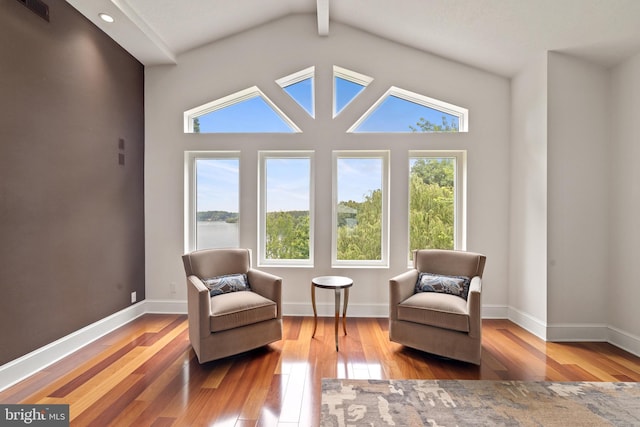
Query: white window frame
[361, 154]
[232, 99]
[351, 76]
[461, 113]
[190, 191]
[460, 193]
[307, 73]
[263, 156]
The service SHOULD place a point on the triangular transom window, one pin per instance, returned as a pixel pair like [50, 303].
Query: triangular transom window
[347, 85]
[399, 110]
[247, 111]
[300, 87]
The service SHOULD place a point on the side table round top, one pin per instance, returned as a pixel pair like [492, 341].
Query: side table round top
[332, 282]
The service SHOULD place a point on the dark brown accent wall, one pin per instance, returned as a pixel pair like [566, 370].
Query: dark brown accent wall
[71, 215]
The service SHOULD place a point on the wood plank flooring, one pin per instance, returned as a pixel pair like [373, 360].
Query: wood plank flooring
[146, 374]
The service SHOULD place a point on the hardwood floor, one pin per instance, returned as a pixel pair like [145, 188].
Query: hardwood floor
[146, 374]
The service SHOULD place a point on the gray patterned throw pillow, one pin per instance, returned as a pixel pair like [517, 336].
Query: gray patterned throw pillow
[454, 285]
[224, 284]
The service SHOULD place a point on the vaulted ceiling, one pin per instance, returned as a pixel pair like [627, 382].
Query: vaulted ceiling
[499, 36]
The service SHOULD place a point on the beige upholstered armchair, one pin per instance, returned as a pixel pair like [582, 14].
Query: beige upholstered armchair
[236, 318]
[439, 321]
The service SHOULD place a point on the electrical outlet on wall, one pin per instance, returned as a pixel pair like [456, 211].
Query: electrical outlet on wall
[172, 287]
[134, 297]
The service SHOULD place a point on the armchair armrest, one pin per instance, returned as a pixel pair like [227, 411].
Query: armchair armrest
[473, 307]
[401, 287]
[199, 307]
[268, 285]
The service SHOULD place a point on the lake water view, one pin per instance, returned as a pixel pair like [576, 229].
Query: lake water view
[217, 234]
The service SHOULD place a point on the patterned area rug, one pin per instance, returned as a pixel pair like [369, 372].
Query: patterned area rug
[472, 403]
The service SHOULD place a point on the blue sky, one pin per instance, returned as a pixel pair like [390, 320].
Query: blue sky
[217, 184]
[358, 177]
[288, 178]
[287, 181]
[302, 92]
[345, 92]
[250, 116]
[396, 115]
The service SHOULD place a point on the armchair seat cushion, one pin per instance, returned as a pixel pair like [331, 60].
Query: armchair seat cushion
[237, 309]
[435, 309]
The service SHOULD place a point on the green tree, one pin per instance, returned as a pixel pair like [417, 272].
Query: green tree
[434, 171]
[196, 125]
[425, 125]
[360, 238]
[431, 210]
[287, 235]
[231, 217]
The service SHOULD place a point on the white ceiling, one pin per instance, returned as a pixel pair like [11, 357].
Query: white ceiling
[496, 35]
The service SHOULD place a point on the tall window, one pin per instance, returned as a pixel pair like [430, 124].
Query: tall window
[286, 214]
[360, 207]
[213, 205]
[435, 200]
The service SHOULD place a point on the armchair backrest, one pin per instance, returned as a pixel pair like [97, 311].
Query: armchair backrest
[208, 263]
[448, 262]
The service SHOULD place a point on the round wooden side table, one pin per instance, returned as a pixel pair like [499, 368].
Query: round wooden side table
[337, 283]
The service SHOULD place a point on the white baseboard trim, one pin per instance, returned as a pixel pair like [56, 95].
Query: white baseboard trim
[27, 365]
[324, 309]
[157, 306]
[624, 340]
[490, 311]
[328, 310]
[572, 332]
[526, 321]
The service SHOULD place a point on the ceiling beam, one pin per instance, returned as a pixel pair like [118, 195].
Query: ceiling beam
[129, 30]
[323, 17]
[142, 25]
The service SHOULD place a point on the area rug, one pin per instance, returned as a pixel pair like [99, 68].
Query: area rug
[448, 403]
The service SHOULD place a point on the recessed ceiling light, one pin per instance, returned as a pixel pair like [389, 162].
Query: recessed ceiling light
[106, 17]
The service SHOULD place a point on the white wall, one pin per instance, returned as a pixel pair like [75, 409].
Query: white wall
[262, 55]
[622, 289]
[528, 201]
[574, 194]
[578, 184]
